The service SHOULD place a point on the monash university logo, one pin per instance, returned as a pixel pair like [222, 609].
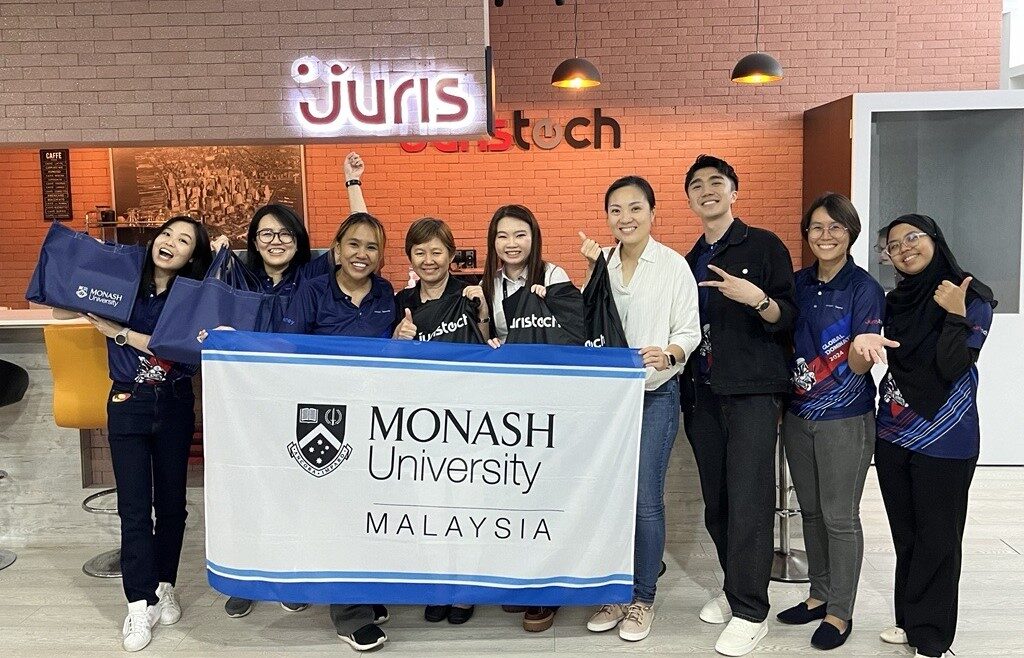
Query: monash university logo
[319, 446]
[82, 292]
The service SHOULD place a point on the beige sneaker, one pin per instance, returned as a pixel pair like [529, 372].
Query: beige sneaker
[607, 618]
[637, 623]
[894, 635]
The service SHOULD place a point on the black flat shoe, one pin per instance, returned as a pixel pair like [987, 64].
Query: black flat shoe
[460, 615]
[801, 614]
[828, 636]
[436, 613]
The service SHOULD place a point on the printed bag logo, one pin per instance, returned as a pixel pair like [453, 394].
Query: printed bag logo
[319, 446]
[99, 295]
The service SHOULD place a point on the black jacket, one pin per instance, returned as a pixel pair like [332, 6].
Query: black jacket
[750, 355]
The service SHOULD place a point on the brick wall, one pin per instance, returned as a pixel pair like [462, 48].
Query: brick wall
[214, 70]
[665, 65]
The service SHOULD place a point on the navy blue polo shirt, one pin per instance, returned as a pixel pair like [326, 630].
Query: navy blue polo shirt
[320, 307]
[954, 433]
[700, 273]
[289, 283]
[831, 315]
[131, 366]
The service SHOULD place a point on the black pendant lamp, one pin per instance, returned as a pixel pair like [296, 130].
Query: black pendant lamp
[757, 68]
[577, 72]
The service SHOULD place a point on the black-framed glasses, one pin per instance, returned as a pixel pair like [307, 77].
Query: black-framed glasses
[266, 236]
[835, 230]
[908, 241]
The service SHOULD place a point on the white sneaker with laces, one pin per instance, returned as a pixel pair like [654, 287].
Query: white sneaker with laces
[717, 610]
[170, 610]
[740, 637]
[138, 625]
[636, 625]
[607, 618]
[894, 635]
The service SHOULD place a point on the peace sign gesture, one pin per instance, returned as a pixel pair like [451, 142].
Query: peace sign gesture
[735, 288]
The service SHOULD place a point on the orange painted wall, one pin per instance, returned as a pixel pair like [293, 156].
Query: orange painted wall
[666, 65]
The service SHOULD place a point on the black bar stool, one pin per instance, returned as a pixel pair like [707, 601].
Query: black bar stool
[13, 384]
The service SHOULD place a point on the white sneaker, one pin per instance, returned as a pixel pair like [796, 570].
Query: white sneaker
[894, 635]
[740, 637]
[170, 610]
[607, 618]
[138, 625]
[717, 610]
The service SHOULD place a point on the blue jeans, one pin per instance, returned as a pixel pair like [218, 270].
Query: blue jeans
[150, 434]
[657, 434]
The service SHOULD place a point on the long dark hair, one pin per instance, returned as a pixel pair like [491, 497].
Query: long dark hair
[535, 264]
[197, 264]
[292, 223]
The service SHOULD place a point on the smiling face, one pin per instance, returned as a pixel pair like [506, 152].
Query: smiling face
[358, 252]
[710, 194]
[630, 215]
[913, 257]
[430, 261]
[513, 242]
[829, 240]
[173, 248]
[275, 253]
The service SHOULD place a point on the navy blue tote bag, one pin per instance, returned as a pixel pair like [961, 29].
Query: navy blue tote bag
[77, 273]
[219, 299]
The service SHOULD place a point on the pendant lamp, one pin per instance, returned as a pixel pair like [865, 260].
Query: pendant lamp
[757, 68]
[576, 72]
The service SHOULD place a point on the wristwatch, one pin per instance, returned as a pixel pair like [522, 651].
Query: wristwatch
[763, 304]
[671, 359]
[121, 337]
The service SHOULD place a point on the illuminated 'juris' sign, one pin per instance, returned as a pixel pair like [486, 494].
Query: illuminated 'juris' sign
[333, 96]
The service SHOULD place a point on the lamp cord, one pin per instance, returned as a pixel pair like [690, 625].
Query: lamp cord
[757, 29]
[575, 27]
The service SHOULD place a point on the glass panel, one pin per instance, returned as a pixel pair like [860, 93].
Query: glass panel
[965, 169]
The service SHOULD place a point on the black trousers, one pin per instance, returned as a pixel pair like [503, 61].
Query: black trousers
[926, 501]
[733, 439]
[150, 433]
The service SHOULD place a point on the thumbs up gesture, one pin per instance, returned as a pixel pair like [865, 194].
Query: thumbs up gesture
[590, 249]
[953, 297]
[405, 330]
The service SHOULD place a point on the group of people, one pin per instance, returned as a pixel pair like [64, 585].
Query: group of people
[727, 331]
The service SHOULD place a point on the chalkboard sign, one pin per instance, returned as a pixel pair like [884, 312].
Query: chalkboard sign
[56, 175]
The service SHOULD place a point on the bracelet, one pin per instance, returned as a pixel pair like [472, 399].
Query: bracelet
[763, 305]
[479, 321]
[354, 181]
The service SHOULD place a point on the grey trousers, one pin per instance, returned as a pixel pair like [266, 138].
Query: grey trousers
[350, 618]
[828, 460]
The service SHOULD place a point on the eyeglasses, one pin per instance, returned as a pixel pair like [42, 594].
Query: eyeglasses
[834, 230]
[908, 241]
[266, 236]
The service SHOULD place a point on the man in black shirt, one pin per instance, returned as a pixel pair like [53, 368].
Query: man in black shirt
[732, 392]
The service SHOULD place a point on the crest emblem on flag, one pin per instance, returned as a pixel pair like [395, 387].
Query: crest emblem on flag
[319, 446]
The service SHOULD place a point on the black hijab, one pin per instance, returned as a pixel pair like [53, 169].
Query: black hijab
[914, 319]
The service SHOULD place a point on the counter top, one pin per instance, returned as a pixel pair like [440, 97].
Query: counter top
[31, 318]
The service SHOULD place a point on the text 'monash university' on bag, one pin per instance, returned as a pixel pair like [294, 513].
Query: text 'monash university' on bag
[75, 272]
[555, 320]
[450, 319]
[219, 299]
[603, 325]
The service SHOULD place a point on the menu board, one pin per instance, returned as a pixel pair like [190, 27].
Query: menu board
[56, 176]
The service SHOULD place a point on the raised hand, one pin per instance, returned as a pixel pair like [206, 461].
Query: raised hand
[590, 249]
[406, 330]
[734, 287]
[952, 297]
[354, 166]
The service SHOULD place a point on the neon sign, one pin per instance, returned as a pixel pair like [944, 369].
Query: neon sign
[334, 97]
